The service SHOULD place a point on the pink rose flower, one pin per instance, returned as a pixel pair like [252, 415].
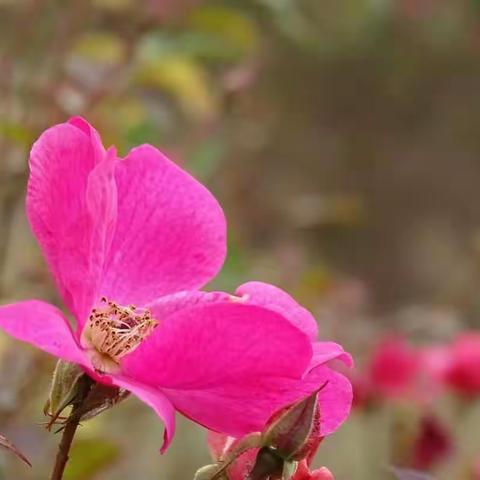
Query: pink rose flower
[129, 242]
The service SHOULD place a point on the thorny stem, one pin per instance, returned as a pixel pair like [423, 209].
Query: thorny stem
[71, 425]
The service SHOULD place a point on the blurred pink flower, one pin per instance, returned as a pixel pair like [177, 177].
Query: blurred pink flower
[394, 367]
[363, 390]
[461, 364]
[129, 242]
[476, 469]
[392, 373]
[398, 371]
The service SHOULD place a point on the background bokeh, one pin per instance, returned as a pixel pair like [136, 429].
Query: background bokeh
[342, 139]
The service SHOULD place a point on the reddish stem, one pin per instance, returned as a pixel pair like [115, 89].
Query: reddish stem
[71, 426]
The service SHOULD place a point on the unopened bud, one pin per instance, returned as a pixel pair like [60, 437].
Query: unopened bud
[289, 432]
[63, 389]
[68, 381]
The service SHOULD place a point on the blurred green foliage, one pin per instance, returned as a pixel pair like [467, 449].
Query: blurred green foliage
[89, 457]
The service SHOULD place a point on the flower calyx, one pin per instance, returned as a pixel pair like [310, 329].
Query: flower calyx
[69, 383]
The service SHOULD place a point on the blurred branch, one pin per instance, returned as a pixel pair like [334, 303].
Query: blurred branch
[5, 443]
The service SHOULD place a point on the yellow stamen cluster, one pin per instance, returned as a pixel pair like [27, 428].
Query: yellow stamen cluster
[113, 330]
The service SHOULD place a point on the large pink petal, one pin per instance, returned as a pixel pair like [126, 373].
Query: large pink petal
[216, 343]
[101, 205]
[237, 408]
[170, 233]
[169, 304]
[269, 296]
[323, 352]
[69, 228]
[44, 326]
[157, 401]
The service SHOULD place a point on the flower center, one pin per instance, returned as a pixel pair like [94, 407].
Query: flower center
[112, 331]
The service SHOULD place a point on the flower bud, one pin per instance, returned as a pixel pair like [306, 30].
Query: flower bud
[290, 431]
[67, 382]
[63, 389]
